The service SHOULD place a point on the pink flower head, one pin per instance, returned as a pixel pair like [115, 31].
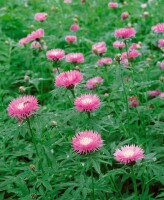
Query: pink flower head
[119, 45]
[124, 62]
[125, 33]
[133, 102]
[69, 79]
[36, 45]
[113, 5]
[40, 16]
[99, 48]
[23, 41]
[74, 27]
[67, 1]
[161, 43]
[36, 35]
[128, 154]
[161, 95]
[92, 83]
[134, 46]
[23, 107]
[70, 38]
[124, 15]
[162, 65]
[87, 141]
[87, 103]
[75, 58]
[55, 54]
[104, 61]
[131, 55]
[159, 28]
[154, 93]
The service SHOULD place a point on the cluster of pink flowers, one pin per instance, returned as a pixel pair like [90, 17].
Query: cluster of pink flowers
[87, 103]
[93, 82]
[113, 5]
[23, 107]
[119, 45]
[75, 58]
[161, 43]
[125, 33]
[159, 28]
[70, 39]
[99, 48]
[86, 141]
[162, 65]
[69, 79]
[134, 46]
[131, 55]
[124, 15]
[128, 154]
[55, 54]
[154, 93]
[133, 102]
[35, 35]
[40, 16]
[104, 61]
[74, 27]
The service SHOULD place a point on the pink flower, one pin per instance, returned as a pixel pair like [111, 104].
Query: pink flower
[154, 93]
[67, 1]
[92, 83]
[134, 46]
[23, 41]
[133, 102]
[74, 27]
[36, 35]
[69, 79]
[162, 65]
[161, 95]
[113, 5]
[128, 154]
[119, 45]
[36, 45]
[125, 33]
[159, 28]
[75, 58]
[99, 48]
[87, 141]
[40, 16]
[87, 103]
[55, 70]
[70, 38]
[124, 62]
[161, 43]
[23, 107]
[55, 54]
[124, 15]
[104, 61]
[131, 55]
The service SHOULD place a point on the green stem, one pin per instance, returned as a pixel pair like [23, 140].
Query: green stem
[115, 186]
[89, 115]
[33, 137]
[93, 189]
[73, 92]
[134, 183]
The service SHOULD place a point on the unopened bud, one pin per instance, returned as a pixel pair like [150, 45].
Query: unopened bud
[53, 123]
[52, 8]
[32, 167]
[118, 57]
[26, 78]
[6, 42]
[32, 26]
[22, 89]
[77, 68]
[146, 14]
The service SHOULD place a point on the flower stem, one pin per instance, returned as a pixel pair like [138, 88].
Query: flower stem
[33, 137]
[89, 115]
[93, 189]
[134, 183]
[73, 92]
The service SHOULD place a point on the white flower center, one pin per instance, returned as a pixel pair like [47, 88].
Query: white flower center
[128, 153]
[85, 141]
[22, 105]
[86, 101]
